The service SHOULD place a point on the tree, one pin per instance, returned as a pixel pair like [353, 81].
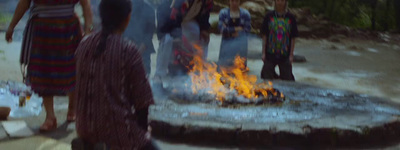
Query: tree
[373, 5]
[387, 12]
[397, 6]
[371, 14]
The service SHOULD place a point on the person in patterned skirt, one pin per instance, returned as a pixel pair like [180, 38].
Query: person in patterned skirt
[51, 37]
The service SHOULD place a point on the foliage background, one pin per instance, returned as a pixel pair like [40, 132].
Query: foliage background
[381, 15]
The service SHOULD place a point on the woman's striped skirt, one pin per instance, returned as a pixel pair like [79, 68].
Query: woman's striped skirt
[51, 68]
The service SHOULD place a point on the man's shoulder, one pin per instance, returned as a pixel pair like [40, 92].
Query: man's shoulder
[244, 11]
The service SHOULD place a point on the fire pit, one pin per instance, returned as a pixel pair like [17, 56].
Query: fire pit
[227, 106]
[310, 116]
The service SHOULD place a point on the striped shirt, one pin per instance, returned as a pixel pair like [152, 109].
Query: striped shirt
[109, 88]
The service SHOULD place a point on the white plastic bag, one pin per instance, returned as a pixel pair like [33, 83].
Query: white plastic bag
[9, 97]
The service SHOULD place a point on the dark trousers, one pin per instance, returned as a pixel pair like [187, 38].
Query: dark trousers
[285, 70]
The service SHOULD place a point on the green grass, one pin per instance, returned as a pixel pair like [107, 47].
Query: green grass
[5, 18]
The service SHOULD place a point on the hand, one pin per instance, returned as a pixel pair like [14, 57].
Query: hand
[177, 40]
[205, 36]
[236, 34]
[148, 133]
[238, 29]
[9, 35]
[88, 29]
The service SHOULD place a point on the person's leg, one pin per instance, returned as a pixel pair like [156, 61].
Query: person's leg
[205, 50]
[223, 58]
[71, 107]
[147, 62]
[230, 48]
[243, 48]
[51, 122]
[285, 70]
[268, 70]
[164, 56]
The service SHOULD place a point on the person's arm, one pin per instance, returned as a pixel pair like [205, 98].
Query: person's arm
[22, 7]
[142, 117]
[170, 17]
[203, 20]
[221, 23]
[150, 27]
[138, 87]
[247, 21]
[204, 16]
[87, 15]
[294, 33]
[264, 31]
[263, 46]
[292, 49]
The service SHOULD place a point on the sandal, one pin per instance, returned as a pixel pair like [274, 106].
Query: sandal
[48, 125]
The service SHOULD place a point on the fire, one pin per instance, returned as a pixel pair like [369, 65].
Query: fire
[206, 78]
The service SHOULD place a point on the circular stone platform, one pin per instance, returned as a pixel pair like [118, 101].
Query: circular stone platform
[310, 116]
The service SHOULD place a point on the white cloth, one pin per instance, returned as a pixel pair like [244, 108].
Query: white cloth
[164, 55]
[235, 14]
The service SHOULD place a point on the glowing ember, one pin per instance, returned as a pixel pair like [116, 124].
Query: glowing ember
[206, 78]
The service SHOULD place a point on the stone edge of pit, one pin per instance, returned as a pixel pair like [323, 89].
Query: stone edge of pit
[377, 136]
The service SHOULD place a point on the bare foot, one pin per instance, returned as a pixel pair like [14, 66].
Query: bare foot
[49, 124]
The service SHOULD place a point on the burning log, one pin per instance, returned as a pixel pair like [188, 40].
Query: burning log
[231, 99]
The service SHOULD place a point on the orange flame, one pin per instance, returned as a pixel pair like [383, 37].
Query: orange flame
[205, 77]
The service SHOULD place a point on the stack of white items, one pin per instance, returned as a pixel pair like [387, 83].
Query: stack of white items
[20, 99]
